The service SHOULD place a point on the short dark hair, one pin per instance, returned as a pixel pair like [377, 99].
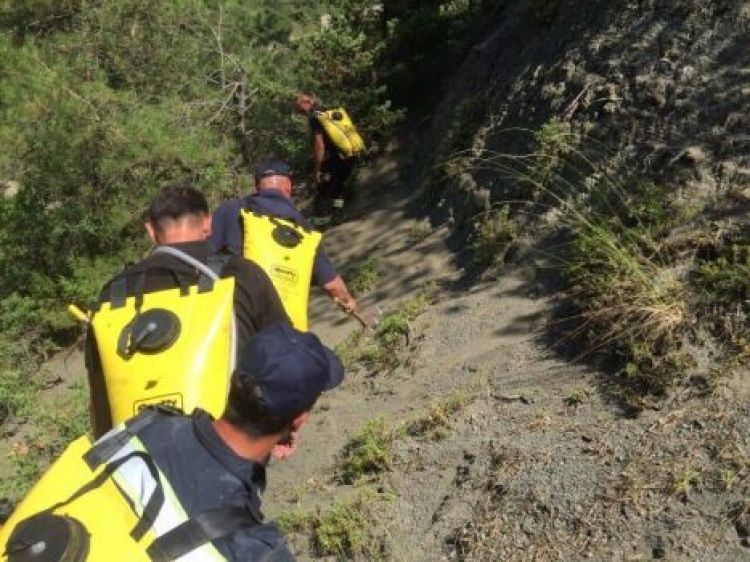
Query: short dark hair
[246, 410]
[175, 202]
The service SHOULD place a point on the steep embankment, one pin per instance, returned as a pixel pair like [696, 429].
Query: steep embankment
[484, 443]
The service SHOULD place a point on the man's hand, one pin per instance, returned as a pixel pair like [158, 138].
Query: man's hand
[346, 303]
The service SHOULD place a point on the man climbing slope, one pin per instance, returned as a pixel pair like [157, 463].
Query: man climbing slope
[336, 145]
[267, 228]
[166, 316]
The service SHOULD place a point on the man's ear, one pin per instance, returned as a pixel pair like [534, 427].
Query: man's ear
[151, 231]
[299, 420]
[207, 226]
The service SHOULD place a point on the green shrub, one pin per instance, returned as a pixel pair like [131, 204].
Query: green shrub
[366, 454]
[364, 276]
[436, 421]
[724, 273]
[53, 427]
[493, 233]
[346, 530]
[631, 296]
[381, 349]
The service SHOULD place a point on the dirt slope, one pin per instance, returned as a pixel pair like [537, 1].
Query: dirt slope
[536, 463]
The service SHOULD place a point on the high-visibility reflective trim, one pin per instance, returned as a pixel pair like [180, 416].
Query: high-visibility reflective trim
[137, 484]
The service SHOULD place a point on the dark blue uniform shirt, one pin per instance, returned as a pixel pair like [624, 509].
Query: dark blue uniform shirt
[205, 473]
[226, 227]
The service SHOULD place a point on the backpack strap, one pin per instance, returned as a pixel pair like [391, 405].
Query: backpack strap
[200, 529]
[188, 259]
[216, 263]
[108, 446]
[118, 289]
[118, 292]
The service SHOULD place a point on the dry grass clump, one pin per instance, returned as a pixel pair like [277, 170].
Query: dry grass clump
[632, 297]
[347, 530]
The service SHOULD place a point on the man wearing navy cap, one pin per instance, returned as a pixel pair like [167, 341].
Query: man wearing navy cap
[213, 471]
[274, 197]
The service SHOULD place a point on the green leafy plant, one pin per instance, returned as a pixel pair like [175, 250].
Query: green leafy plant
[381, 351]
[346, 530]
[493, 233]
[576, 397]
[364, 276]
[367, 453]
[685, 481]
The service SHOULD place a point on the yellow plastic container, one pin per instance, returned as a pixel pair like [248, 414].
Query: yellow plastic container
[286, 252]
[193, 371]
[342, 132]
[106, 517]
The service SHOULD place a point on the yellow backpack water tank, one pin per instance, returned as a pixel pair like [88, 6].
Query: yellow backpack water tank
[175, 347]
[96, 526]
[286, 252]
[341, 130]
[110, 502]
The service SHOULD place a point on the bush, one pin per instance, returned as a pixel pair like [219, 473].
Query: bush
[368, 453]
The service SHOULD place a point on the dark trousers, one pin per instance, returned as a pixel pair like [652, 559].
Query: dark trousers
[335, 172]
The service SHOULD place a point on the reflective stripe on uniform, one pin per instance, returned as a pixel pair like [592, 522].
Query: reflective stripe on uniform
[137, 485]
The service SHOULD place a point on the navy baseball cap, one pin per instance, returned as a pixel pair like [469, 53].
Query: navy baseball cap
[272, 167]
[291, 368]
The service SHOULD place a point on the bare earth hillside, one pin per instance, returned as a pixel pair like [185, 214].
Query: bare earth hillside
[485, 442]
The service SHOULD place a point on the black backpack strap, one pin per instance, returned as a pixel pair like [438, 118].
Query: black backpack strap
[118, 292]
[108, 446]
[198, 530]
[216, 263]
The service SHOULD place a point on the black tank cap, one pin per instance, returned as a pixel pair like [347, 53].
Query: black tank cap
[48, 538]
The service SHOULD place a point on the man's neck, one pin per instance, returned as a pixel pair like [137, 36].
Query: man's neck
[253, 449]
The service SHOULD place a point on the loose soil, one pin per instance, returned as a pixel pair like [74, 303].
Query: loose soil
[540, 462]
[537, 464]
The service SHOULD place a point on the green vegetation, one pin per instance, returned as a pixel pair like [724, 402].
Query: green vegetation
[345, 531]
[368, 453]
[722, 279]
[576, 397]
[493, 233]
[631, 288]
[59, 422]
[381, 350]
[684, 482]
[419, 232]
[364, 276]
[99, 109]
[435, 423]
